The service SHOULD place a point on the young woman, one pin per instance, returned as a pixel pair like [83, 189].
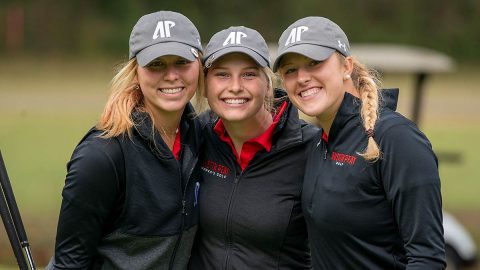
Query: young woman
[371, 194]
[253, 165]
[128, 200]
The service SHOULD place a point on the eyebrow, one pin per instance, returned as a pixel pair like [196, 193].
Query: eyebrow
[222, 67]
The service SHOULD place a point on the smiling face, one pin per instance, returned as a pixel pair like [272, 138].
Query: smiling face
[168, 83]
[315, 87]
[236, 88]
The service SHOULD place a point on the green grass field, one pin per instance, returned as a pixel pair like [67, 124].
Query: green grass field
[47, 106]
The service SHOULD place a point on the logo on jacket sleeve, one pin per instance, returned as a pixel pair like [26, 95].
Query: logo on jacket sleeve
[342, 159]
[215, 169]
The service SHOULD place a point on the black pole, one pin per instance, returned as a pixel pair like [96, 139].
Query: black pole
[418, 97]
[12, 220]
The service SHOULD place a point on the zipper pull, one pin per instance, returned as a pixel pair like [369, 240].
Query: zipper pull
[324, 148]
[184, 208]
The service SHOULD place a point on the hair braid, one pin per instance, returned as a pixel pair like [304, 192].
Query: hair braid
[367, 83]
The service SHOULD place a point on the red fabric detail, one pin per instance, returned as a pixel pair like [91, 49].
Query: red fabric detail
[177, 146]
[252, 146]
[324, 136]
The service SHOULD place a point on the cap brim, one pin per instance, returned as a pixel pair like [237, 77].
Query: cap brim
[253, 54]
[315, 52]
[151, 53]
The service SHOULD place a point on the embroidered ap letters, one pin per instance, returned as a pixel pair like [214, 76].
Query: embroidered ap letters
[296, 34]
[163, 29]
[234, 38]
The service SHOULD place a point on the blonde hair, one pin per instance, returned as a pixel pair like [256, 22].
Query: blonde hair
[367, 82]
[269, 97]
[126, 96]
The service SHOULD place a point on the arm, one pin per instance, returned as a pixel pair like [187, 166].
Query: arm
[89, 197]
[412, 184]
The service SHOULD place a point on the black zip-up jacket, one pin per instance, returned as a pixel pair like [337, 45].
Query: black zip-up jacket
[128, 203]
[252, 219]
[385, 215]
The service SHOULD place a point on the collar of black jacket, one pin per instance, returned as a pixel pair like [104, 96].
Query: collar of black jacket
[144, 126]
[350, 107]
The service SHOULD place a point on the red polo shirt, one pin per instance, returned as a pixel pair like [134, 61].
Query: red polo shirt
[252, 146]
[177, 145]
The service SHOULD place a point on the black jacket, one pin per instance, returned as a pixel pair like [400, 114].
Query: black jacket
[385, 215]
[253, 219]
[128, 203]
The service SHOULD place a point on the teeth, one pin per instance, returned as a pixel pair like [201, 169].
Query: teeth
[309, 92]
[235, 101]
[171, 90]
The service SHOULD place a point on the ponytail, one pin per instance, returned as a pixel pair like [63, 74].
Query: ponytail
[367, 83]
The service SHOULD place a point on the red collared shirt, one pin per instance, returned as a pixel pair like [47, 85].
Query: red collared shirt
[252, 146]
[177, 145]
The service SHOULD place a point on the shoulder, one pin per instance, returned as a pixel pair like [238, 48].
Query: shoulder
[400, 136]
[309, 131]
[207, 118]
[389, 120]
[95, 152]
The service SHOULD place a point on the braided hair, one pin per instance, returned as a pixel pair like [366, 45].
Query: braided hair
[367, 83]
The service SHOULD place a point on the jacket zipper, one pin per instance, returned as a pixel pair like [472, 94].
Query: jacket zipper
[228, 236]
[183, 212]
[325, 153]
[324, 150]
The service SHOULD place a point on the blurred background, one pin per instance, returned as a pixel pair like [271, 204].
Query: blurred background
[57, 58]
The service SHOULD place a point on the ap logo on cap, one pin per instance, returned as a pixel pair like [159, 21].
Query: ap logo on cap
[163, 29]
[296, 34]
[234, 38]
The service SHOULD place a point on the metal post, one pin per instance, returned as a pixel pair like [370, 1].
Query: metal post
[13, 222]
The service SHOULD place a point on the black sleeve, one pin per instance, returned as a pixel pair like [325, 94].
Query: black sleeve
[410, 176]
[89, 196]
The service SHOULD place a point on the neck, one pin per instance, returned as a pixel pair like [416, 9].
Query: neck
[167, 126]
[243, 131]
[325, 120]
[325, 123]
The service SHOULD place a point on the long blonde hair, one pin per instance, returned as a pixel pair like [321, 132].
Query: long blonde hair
[367, 82]
[126, 96]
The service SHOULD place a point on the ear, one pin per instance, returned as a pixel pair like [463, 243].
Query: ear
[348, 65]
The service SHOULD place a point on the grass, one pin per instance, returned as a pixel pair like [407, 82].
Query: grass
[47, 106]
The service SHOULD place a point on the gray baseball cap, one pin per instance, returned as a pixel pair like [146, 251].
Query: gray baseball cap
[164, 33]
[315, 37]
[237, 39]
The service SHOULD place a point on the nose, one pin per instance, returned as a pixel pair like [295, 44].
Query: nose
[236, 84]
[171, 73]
[303, 75]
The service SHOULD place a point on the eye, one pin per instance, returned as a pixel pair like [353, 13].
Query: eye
[182, 61]
[289, 70]
[221, 74]
[155, 65]
[249, 74]
[314, 63]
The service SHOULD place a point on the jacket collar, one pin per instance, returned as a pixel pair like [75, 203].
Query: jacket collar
[144, 126]
[350, 108]
[288, 129]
